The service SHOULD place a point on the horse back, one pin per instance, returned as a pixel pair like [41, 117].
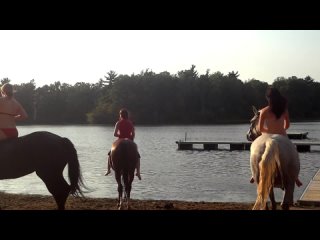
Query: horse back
[124, 154]
[289, 162]
[31, 152]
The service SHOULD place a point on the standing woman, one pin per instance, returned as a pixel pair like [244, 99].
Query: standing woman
[10, 112]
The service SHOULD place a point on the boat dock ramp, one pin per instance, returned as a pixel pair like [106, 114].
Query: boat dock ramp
[311, 195]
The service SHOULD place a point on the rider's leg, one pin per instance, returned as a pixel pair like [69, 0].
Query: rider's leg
[138, 167]
[298, 182]
[252, 180]
[109, 165]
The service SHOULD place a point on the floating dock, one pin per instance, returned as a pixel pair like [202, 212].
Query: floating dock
[311, 195]
[208, 145]
[293, 135]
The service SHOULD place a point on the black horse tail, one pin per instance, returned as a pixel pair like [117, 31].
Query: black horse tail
[74, 170]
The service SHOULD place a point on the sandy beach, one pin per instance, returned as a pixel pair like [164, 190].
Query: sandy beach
[40, 202]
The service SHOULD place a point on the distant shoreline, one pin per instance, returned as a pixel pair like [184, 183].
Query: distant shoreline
[157, 125]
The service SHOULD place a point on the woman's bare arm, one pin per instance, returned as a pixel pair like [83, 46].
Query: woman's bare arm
[116, 130]
[286, 120]
[21, 113]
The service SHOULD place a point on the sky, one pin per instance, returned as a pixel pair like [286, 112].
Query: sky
[72, 56]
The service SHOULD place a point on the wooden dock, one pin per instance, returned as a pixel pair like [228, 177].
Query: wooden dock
[188, 145]
[311, 195]
[296, 135]
[234, 145]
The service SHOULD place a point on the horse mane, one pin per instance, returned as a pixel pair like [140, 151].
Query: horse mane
[268, 165]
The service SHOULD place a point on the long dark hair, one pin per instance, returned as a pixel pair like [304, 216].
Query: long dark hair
[277, 102]
[124, 113]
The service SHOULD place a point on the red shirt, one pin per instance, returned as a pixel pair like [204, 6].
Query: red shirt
[125, 129]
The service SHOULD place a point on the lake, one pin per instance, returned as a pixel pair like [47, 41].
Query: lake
[167, 173]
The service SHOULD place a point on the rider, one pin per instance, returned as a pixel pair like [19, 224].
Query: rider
[274, 118]
[10, 111]
[124, 129]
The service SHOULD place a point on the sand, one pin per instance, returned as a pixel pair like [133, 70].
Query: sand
[40, 202]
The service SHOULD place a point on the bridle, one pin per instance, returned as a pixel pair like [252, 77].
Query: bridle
[254, 132]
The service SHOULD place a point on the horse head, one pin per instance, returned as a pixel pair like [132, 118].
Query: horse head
[254, 131]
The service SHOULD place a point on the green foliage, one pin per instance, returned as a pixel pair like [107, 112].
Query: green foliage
[163, 98]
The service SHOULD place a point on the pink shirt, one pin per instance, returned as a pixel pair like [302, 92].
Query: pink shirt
[125, 129]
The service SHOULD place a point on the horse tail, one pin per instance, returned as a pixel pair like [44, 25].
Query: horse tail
[74, 171]
[268, 166]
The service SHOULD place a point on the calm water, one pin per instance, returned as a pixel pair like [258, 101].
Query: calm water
[167, 173]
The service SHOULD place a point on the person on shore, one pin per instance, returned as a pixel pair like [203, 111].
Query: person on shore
[10, 112]
[274, 118]
[124, 128]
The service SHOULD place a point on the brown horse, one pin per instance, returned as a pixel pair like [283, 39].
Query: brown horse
[124, 157]
[46, 154]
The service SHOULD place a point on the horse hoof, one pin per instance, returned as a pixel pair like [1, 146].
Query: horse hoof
[285, 206]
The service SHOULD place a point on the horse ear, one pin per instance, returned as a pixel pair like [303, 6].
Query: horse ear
[254, 109]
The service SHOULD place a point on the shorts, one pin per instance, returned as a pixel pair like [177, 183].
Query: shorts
[10, 132]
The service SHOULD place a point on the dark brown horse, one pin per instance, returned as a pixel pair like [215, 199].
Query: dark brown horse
[124, 157]
[46, 154]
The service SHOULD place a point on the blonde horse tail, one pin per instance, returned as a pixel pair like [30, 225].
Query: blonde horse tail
[267, 165]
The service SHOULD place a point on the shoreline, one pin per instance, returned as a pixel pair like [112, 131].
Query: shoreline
[10, 201]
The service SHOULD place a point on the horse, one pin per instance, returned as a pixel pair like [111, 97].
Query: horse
[274, 163]
[124, 157]
[47, 154]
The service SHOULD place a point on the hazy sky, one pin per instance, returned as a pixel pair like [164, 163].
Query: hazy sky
[71, 56]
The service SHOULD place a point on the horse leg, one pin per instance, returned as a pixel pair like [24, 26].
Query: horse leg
[57, 186]
[272, 199]
[128, 178]
[288, 195]
[120, 190]
[128, 190]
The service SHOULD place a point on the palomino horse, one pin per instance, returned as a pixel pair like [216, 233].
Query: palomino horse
[124, 157]
[46, 154]
[274, 162]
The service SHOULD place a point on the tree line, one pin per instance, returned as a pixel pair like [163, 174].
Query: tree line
[163, 98]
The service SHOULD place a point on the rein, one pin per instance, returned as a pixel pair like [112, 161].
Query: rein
[10, 114]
